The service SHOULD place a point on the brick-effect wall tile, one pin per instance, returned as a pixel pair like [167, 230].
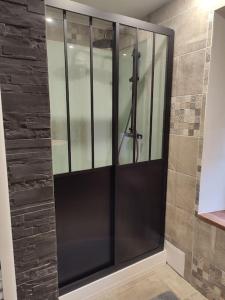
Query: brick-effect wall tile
[26, 114]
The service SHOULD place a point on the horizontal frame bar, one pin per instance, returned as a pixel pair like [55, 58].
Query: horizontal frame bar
[79, 8]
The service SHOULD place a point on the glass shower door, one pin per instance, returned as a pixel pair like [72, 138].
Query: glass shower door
[140, 177]
[80, 80]
[109, 86]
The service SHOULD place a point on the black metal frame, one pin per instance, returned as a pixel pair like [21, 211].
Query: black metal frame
[117, 20]
[67, 90]
[152, 94]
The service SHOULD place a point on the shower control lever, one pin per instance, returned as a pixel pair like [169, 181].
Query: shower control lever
[139, 136]
[130, 134]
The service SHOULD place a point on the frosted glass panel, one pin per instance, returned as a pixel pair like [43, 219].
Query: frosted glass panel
[145, 43]
[78, 52]
[57, 89]
[159, 95]
[102, 92]
[127, 44]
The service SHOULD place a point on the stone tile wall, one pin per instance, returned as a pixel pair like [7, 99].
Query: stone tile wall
[25, 100]
[203, 244]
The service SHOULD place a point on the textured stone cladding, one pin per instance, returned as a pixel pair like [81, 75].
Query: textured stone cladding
[25, 100]
[203, 244]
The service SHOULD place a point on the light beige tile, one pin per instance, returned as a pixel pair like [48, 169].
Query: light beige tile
[170, 230]
[171, 9]
[186, 153]
[174, 81]
[184, 223]
[220, 249]
[183, 154]
[204, 240]
[192, 37]
[190, 73]
[185, 191]
[188, 267]
[148, 286]
[196, 296]
[175, 282]
[171, 187]
[172, 154]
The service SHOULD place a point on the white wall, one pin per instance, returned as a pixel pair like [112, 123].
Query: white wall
[6, 245]
[212, 186]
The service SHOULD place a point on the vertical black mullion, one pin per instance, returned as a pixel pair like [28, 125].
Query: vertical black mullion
[92, 95]
[167, 96]
[135, 78]
[67, 88]
[116, 33]
[166, 124]
[152, 95]
[115, 92]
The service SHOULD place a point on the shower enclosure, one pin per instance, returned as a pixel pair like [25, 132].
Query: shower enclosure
[110, 88]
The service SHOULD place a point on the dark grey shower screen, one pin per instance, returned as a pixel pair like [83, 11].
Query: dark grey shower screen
[110, 86]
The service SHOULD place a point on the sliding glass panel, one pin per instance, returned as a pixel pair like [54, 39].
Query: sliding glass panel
[102, 92]
[145, 47]
[127, 41]
[78, 52]
[57, 89]
[159, 95]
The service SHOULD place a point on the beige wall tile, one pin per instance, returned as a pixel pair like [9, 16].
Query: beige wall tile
[193, 32]
[220, 250]
[171, 187]
[190, 73]
[174, 82]
[185, 190]
[179, 227]
[174, 8]
[204, 240]
[187, 153]
[188, 266]
[170, 223]
[172, 147]
[184, 223]
[183, 154]
[192, 37]
[186, 115]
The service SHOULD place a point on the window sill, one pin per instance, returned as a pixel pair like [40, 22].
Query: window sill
[216, 218]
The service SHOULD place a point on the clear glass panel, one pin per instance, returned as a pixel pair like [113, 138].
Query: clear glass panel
[145, 43]
[78, 52]
[57, 89]
[159, 95]
[102, 90]
[127, 42]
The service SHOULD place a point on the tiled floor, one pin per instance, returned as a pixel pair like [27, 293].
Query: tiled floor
[159, 284]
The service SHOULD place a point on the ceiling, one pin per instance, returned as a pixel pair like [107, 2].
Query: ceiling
[132, 8]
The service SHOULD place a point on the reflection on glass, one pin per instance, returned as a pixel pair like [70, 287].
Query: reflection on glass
[145, 43]
[159, 95]
[102, 90]
[127, 42]
[78, 52]
[57, 89]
